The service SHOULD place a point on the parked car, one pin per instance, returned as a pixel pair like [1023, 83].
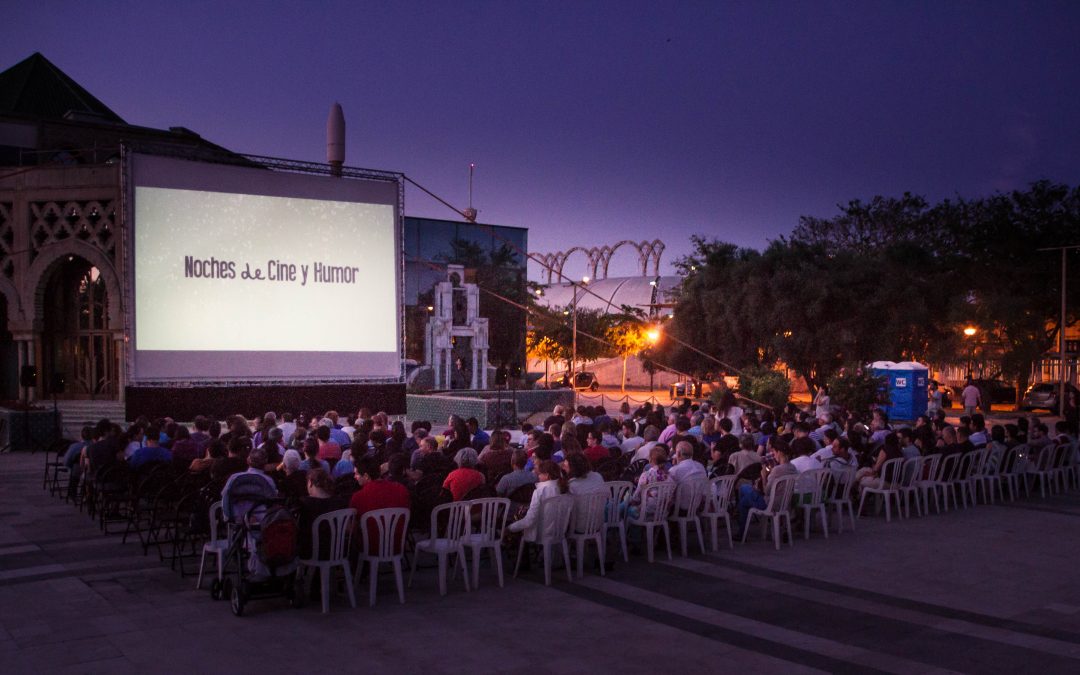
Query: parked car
[582, 380]
[996, 391]
[692, 389]
[1044, 395]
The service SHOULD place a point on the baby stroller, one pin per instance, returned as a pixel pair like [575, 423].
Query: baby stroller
[262, 551]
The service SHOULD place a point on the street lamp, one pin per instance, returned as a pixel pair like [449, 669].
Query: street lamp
[653, 336]
[573, 349]
[970, 332]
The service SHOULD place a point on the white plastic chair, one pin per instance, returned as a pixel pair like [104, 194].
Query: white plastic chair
[689, 499]
[717, 503]
[588, 525]
[216, 545]
[489, 521]
[942, 483]
[777, 509]
[1060, 466]
[843, 481]
[1043, 470]
[340, 528]
[615, 512]
[989, 476]
[1011, 473]
[974, 473]
[390, 528]
[927, 480]
[451, 543]
[885, 486]
[812, 487]
[654, 504]
[552, 522]
[908, 486]
[961, 480]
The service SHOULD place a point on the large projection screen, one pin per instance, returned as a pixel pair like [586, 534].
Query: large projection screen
[250, 274]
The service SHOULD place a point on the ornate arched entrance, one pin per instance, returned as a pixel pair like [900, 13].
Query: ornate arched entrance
[9, 357]
[76, 340]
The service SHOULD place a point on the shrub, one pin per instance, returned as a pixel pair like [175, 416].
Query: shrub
[766, 386]
[857, 389]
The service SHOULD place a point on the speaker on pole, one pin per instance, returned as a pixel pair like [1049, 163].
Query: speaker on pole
[28, 376]
[57, 383]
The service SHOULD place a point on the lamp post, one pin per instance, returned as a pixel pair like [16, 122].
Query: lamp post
[970, 332]
[573, 344]
[653, 336]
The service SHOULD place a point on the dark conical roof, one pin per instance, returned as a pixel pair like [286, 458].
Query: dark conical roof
[37, 88]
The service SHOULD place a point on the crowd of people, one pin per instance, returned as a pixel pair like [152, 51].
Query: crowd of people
[367, 461]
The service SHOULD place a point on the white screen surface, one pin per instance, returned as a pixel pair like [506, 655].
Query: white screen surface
[249, 273]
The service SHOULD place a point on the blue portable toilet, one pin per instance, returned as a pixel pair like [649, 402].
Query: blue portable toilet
[906, 383]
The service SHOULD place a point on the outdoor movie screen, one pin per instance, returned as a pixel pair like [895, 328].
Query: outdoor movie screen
[254, 274]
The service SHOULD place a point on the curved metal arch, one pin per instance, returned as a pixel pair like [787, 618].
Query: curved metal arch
[599, 257]
[590, 255]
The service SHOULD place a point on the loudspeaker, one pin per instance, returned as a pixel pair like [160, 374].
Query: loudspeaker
[28, 376]
[515, 371]
[56, 384]
[500, 376]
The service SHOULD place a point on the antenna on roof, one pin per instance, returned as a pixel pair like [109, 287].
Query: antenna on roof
[470, 213]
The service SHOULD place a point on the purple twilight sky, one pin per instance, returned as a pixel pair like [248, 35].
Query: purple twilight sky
[594, 122]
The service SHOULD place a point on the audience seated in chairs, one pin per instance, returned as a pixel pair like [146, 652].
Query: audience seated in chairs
[518, 477]
[320, 499]
[462, 480]
[582, 480]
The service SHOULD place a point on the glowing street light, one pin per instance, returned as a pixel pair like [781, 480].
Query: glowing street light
[653, 334]
[970, 330]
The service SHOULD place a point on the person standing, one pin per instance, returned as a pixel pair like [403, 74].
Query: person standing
[972, 397]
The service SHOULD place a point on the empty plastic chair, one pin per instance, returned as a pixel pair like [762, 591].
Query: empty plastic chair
[489, 520]
[689, 499]
[812, 486]
[450, 543]
[382, 537]
[615, 512]
[587, 524]
[217, 545]
[717, 504]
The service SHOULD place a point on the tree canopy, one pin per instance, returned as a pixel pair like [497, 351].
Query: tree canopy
[891, 278]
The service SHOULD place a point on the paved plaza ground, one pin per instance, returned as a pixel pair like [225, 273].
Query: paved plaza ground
[987, 589]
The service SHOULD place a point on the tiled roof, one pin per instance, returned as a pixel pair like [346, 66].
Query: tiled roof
[35, 87]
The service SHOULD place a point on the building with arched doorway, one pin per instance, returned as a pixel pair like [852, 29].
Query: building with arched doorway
[62, 259]
[65, 277]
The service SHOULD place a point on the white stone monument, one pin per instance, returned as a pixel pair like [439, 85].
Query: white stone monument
[456, 316]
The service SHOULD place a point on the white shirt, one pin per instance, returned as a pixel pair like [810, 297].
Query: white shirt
[544, 490]
[735, 415]
[806, 462]
[687, 469]
[590, 482]
[643, 451]
[631, 444]
[287, 431]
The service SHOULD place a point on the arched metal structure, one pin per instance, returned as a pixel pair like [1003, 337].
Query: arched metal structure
[600, 256]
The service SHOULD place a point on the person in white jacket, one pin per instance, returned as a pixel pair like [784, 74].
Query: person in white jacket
[549, 485]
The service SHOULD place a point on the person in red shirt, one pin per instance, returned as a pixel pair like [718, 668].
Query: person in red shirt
[465, 478]
[596, 452]
[376, 493]
[328, 449]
